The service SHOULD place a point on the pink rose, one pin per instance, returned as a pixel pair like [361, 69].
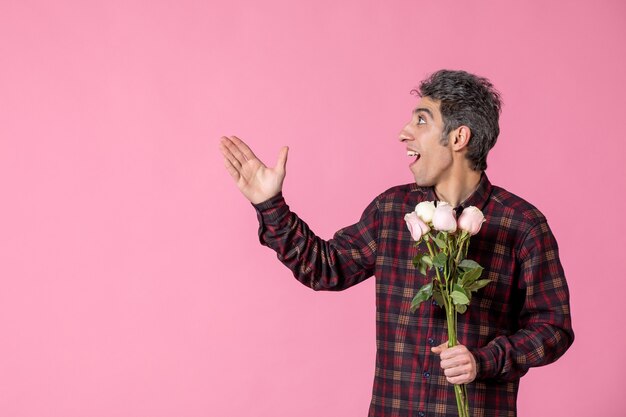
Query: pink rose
[425, 211]
[444, 219]
[416, 226]
[471, 219]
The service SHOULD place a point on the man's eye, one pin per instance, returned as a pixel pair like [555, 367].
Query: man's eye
[420, 120]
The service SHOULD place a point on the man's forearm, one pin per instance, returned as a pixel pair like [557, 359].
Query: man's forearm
[333, 265]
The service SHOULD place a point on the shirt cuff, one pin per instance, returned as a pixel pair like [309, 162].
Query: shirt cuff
[486, 361]
[272, 211]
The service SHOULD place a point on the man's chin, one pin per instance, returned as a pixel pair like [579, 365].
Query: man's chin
[421, 182]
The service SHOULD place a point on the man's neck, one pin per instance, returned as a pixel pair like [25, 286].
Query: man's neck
[456, 189]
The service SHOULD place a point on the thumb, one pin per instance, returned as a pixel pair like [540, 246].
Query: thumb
[440, 348]
[281, 164]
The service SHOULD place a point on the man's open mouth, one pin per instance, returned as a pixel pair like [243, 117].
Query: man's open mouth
[413, 154]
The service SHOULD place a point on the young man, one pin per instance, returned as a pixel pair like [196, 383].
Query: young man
[520, 320]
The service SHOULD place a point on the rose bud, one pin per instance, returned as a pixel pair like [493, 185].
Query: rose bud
[471, 220]
[425, 211]
[416, 226]
[444, 219]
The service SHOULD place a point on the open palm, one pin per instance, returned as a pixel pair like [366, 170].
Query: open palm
[255, 180]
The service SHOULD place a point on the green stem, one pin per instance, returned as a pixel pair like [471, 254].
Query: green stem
[459, 403]
[451, 325]
[460, 391]
[430, 248]
[432, 256]
[467, 247]
[460, 252]
[465, 399]
[461, 400]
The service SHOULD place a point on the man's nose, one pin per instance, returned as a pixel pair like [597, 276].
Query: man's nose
[404, 136]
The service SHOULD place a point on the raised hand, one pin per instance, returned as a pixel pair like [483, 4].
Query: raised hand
[256, 181]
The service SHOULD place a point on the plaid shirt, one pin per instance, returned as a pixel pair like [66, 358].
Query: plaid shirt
[520, 320]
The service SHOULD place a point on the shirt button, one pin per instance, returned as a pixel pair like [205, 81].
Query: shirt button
[431, 341]
[421, 414]
[426, 374]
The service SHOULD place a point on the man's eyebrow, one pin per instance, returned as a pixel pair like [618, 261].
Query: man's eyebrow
[425, 110]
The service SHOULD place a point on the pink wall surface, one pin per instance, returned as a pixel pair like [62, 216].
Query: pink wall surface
[131, 278]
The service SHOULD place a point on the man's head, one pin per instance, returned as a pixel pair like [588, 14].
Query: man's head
[466, 100]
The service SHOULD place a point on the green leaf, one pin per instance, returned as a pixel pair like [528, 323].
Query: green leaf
[468, 264]
[464, 291]
[438, 297]
[459, 288]
[417, 260]
[472, 275]
[479, 284]
[461, 308]
[459, 298]
[439, 241]
[440, 260]
[422, 295]
[460, 277]
[422, 262]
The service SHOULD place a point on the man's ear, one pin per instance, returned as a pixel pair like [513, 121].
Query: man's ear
[461, 137]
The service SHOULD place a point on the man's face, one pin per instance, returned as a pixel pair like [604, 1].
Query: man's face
[431, 161]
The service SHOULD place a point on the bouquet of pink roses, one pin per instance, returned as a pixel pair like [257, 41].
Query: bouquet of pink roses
[447, 240]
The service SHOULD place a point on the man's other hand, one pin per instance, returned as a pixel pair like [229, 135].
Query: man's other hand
[256, 181]
[458, 363]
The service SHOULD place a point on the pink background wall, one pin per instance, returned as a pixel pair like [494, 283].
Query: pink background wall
[131, 279]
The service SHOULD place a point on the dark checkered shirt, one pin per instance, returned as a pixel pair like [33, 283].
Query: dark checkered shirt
[520, 320]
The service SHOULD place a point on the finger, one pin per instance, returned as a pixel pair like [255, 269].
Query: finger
[227, 153]
[234, 150]
[440, 348]
[458, 380]
[243, 148]
[281, 164]
[455, 362]
[232, 170]
[454, 351]
[456, 371]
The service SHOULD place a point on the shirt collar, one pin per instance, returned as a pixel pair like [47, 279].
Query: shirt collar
[481, 195]
[478, 198]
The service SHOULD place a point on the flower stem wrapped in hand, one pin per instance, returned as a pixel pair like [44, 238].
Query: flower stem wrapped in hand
[456, 277]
